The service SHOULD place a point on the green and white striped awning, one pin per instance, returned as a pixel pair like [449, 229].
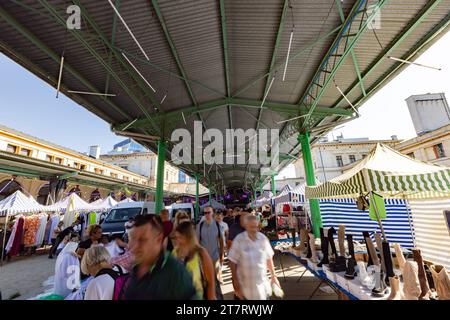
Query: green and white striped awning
[390, 174]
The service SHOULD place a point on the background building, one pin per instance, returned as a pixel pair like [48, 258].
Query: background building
[33, 164]
[332, 158]
[131, 156]
[430, 115]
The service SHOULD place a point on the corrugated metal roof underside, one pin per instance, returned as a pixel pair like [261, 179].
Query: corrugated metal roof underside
[195, 29]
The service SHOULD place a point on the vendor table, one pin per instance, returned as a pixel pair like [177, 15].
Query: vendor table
[343, 294]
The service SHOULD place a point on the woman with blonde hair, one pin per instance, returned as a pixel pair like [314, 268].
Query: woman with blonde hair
[96, 262]
[196, 259]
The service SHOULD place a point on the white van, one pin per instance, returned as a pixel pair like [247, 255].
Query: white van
[175, 207]
[119, 214]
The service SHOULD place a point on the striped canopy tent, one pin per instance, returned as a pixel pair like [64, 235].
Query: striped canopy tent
[283, 196]
[77, 204]
[104, 204]
[19, 203]
[390, 174]
[264, 198]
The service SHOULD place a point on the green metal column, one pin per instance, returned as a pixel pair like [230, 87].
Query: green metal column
[210, 196]
[272, 181]
[159, 198]
[310, 181]
[197, 204]
[260, 189]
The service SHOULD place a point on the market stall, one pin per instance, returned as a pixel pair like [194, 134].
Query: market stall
[384, 173]
[27, 221]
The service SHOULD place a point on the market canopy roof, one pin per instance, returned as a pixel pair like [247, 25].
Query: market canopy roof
[19, 203]
[104, 204]
[78, 204]
[390, 174]
[221, 62]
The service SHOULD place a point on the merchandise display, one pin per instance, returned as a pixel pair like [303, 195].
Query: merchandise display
[380, 287]
[396, 289]
[424, 287]
[441, 281]
[411, 283]
[399, 256]
[337, 264]
[312, 248]
[324, 246]
[350, 272]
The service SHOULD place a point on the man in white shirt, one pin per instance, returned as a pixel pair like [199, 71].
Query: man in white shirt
[250, 256]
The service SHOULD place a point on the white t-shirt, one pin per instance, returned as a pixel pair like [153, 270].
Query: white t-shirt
[251, 258]
[223, 229]
[100, 288]
[113, 249]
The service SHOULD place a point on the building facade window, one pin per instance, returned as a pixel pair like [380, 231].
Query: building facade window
[411, 155]
[439, 151]
[352, 158]
[339, 161]
[49, 158]
[25, 152]
[58, 160]
[181, 177]
[11, 148]
[363, 156]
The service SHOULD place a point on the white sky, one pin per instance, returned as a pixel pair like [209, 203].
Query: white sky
[386, 113]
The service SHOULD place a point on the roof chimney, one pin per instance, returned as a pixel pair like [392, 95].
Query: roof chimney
[94, 152]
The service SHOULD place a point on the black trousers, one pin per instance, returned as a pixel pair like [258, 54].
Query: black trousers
[55, 244]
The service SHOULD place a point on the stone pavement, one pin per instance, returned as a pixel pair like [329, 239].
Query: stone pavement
[293, 290]
[22, 277]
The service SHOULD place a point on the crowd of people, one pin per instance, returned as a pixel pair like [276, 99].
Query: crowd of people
[167, 259]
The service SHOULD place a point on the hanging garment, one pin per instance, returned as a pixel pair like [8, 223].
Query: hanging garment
[54, 222]
[31, 226]
[15, 249]
[41, 231]
[47, 229]
[9, 244]
[92, 218]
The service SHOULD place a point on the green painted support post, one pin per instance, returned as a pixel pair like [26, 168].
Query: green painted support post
[303, 139]
[159, 200]
[272, 181]
[210, 196]
[197, 204]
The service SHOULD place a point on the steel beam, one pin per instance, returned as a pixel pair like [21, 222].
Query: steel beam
[355, 62]
[293, 57]
[113, 40]
[282, 108]
[55, 57]
[173, 48]
[274, 56]
[310, 181]
[337, 65]
[415, 22]
[159, 197]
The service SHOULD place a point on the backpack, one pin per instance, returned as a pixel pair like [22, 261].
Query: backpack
[120, 280]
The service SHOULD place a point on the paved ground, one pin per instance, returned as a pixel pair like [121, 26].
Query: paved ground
[23, 278]
[293, 290]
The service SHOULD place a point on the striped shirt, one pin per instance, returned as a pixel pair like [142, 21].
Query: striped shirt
[251, 257]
